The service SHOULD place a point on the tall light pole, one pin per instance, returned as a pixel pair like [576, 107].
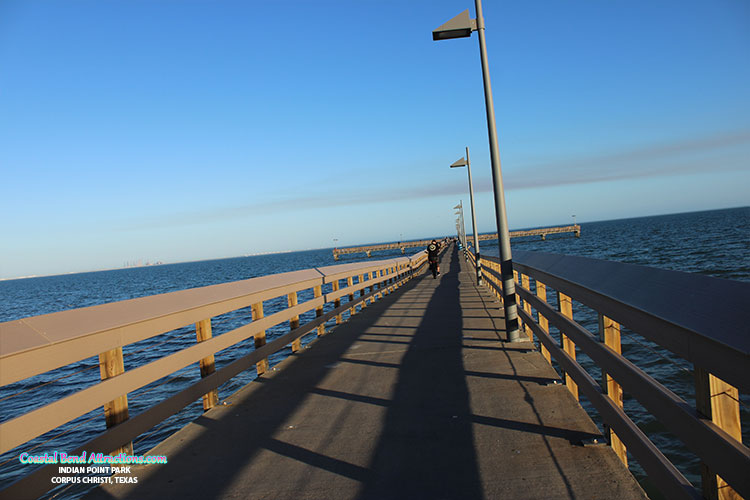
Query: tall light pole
[460, 213]
[467, 163]
[459, 27]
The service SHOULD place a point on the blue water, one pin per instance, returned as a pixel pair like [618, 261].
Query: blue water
[715, 243]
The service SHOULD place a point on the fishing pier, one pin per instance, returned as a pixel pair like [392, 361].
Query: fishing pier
[409, 387]
[368, 249]
[543, 232]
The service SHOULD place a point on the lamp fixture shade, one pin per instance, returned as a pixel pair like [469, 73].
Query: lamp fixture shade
[458, 27]
[461, 162]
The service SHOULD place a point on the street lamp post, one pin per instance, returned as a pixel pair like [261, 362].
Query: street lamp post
[459, 27]
[467, 163]
[460, 213]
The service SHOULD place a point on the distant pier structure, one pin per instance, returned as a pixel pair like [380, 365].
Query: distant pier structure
[543, 232]
[402, 245]
[368, 249]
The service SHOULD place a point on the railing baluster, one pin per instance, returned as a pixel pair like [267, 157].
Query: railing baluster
[526, 306]
[362, 292]
[376, 285]
[111, 364]
[294, 321]
[566, 309]
[498, 283]
[609, 331]
[207, 365]
[519, 300]
[350, 283]
[541, 292]
[317, 292]
[718, 401]
[261, 366]
[337, 301]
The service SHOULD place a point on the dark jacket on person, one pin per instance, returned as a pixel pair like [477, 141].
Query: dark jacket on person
[433, 250]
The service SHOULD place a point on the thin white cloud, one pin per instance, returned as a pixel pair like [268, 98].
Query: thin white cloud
[673, 158]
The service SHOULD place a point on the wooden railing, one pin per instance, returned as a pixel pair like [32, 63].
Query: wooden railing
[36, 345]
[703, 320]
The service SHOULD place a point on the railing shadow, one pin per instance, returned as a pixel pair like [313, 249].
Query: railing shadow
[220, 444]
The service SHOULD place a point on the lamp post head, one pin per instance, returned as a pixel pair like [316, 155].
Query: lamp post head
[458, 27]
[461, 162]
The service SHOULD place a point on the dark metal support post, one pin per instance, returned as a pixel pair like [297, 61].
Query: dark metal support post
[474, 220]
[506, 260]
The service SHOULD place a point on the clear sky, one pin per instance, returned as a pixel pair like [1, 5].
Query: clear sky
[185, 130]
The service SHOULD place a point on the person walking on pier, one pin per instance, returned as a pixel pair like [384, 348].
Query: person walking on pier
[433, 250]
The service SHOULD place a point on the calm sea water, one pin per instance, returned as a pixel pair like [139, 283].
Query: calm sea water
[715, 243]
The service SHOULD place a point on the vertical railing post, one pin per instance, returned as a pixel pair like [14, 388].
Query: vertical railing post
[489, 277]
[719, 401]
[541, 292]
[362, 292]
[291, 300]
[337, 301]
[609, 332]
[566, 309]
[318, 292]
[350, 283]
[261, 366]
[498, 283]
[526, 306]
[207, 365]
[517, 281]
[112, 364]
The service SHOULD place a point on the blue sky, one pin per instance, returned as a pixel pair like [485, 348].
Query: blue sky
[186, 130]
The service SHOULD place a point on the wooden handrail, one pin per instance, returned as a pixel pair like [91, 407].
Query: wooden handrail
[634, 296]
[36, 345]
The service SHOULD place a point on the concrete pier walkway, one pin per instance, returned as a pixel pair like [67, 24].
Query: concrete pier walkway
[418, 397]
